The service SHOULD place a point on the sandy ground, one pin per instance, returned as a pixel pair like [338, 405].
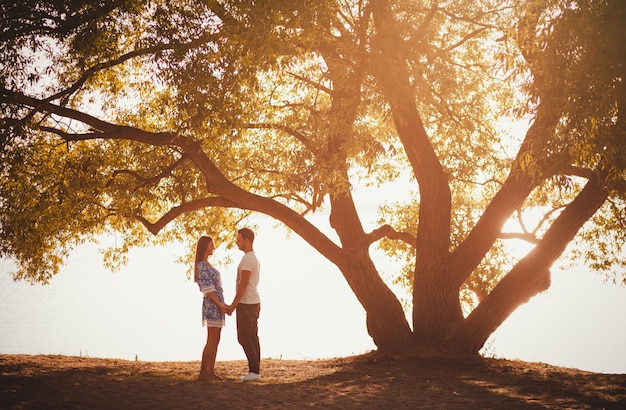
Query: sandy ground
[373, 381]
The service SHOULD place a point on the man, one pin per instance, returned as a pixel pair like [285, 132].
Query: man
[248, 304]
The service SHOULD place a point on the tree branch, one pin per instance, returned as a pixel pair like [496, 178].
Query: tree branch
[101, 129]
[528, 237]
[22, 21]
[294, 133]
[184, 208]
[146, 181]
[207, 37]
[389, 232]
[465, 39]
[90, 72]
[317, 85]
[518, 185]
[531, 274]
[391, 72]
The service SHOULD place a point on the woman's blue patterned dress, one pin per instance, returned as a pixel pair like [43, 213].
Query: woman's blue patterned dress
[210, 280]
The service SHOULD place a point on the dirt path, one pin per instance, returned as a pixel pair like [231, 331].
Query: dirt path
[370, 381]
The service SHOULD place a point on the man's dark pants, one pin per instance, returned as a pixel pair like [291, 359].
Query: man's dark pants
[248, 334]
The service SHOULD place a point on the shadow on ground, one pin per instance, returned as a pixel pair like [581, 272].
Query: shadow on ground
[368, 381]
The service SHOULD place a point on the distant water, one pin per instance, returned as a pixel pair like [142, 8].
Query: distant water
[142, 311]
[150, 311]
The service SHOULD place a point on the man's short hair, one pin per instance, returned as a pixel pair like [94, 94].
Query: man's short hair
[246, 233]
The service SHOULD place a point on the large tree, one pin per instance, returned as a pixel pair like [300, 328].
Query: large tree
[148, 117]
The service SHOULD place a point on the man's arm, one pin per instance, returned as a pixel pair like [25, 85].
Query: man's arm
[241, 288]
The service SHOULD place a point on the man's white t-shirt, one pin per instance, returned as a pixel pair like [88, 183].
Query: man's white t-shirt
[251, 263]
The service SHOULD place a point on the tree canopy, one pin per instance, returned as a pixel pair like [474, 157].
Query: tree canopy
[148, 118]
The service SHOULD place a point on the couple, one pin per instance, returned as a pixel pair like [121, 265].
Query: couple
[246, 302]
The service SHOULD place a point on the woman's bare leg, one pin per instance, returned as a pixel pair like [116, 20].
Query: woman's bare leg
[207, 369]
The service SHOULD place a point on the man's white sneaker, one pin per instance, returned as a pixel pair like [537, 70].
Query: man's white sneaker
[252, 377]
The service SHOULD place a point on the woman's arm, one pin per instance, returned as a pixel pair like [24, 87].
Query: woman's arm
[215, 299]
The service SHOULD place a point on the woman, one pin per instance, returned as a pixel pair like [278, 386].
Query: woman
[213, 307]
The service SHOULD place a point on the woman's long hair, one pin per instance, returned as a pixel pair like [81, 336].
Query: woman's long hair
[203, 243]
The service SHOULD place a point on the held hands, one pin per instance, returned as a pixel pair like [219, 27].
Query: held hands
[228, 309]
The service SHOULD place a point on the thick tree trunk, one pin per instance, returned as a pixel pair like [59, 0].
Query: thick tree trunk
[435, 302]
[436, 307]
[518, 185]
[386, 322]
[526, 280]
[531, 275]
